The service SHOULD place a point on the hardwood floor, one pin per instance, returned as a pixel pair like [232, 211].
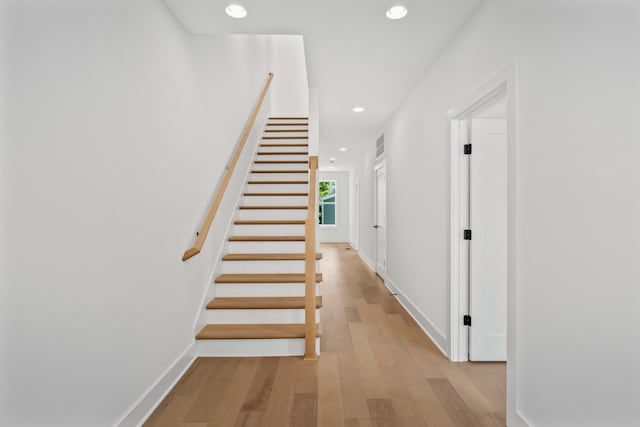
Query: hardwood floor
[377, 368]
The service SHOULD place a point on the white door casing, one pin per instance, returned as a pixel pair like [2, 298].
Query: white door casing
[380, 218]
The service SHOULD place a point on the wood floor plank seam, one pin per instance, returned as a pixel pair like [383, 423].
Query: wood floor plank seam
[404, 379]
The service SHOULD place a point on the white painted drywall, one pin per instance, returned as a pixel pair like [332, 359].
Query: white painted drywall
[365, 174]
[339, 232]
[314, 122]
[4, 200]
[290, 83]
[578, 238]
[119, 129]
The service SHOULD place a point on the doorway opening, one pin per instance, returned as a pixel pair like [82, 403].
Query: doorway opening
[483, 258]
[480, 227]
[380, 217]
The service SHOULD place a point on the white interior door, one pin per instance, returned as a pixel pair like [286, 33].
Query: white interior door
[380, 216]
[488, 245]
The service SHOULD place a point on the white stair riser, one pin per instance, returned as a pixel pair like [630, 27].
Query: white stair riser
[284, 126]
[272, 214]
[233, 317]
[301, 176]
[287, 121]
[286, 146]
[266, 247]
[302, 167]
[268, 230]
[259, 290]
[275, 201]
[277, 188]
[263, 267]
[283, 157]
[252, 348]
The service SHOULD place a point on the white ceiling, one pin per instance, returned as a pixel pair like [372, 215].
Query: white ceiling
[355, 55]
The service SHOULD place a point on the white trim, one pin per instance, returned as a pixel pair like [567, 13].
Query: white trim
[334, 203]
[518, 420]
[381, 164]
[437, 337]
[355, 213]
[507, 77]
[434, 334]
[149, 401]
[367, 261]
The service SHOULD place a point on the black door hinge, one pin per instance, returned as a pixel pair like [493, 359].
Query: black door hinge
[467, 149]
[467, 234]
[466, 320]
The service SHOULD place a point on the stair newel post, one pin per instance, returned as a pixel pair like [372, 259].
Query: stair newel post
[310, 265]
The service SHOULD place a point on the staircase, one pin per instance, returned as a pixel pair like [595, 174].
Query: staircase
[258, 301]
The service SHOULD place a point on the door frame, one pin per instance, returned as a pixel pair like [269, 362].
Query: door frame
[504, 80]
[381, 164]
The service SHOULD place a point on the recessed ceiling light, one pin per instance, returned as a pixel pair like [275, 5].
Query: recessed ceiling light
[397, 12]
[358, 109]
[330, 167]
[332, 159]
[236, 11]
[343, 149]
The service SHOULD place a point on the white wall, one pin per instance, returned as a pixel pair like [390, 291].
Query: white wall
[339, 232]
[578, 238]
[4, 200]
[119, 127]
[364, 173]
[291, 88]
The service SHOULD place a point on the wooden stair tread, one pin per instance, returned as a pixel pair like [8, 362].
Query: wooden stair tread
[267, 257]
[271, 222]
[284, 145]
[282, 162]
[276, 194]
[264, 278]
[266, 239]
[259, 303]
[285, 130]
[283, 153]
[273, 207]
[278, 182]
[284, 137]
[251, 331]
[304, 171]
[288, 118]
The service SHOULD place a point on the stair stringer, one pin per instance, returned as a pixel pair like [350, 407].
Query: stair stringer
[253, 143]
[252, 347]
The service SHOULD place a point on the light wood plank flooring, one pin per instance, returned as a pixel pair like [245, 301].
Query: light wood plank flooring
[377, 368]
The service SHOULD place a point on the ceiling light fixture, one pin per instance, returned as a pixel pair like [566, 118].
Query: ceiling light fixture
[397, 12]
[358, 109]
[332, 159]
[343, 149]
[236, 11]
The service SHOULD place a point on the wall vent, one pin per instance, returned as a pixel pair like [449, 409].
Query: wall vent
[380, 146]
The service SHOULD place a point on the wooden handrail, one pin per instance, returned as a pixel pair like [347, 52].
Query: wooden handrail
[310, 266]
[204, 230]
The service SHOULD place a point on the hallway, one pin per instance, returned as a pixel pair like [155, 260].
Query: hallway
[377, 368]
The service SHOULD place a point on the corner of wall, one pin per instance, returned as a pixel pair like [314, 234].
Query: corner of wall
[149, 401]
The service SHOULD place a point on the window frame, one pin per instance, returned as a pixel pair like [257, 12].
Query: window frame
[334, 203]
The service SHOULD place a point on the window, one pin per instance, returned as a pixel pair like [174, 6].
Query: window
[327, 192]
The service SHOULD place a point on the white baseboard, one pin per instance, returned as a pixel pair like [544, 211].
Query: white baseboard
[518, 420]
[150, 400]
[434, 334]
[367, 261]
